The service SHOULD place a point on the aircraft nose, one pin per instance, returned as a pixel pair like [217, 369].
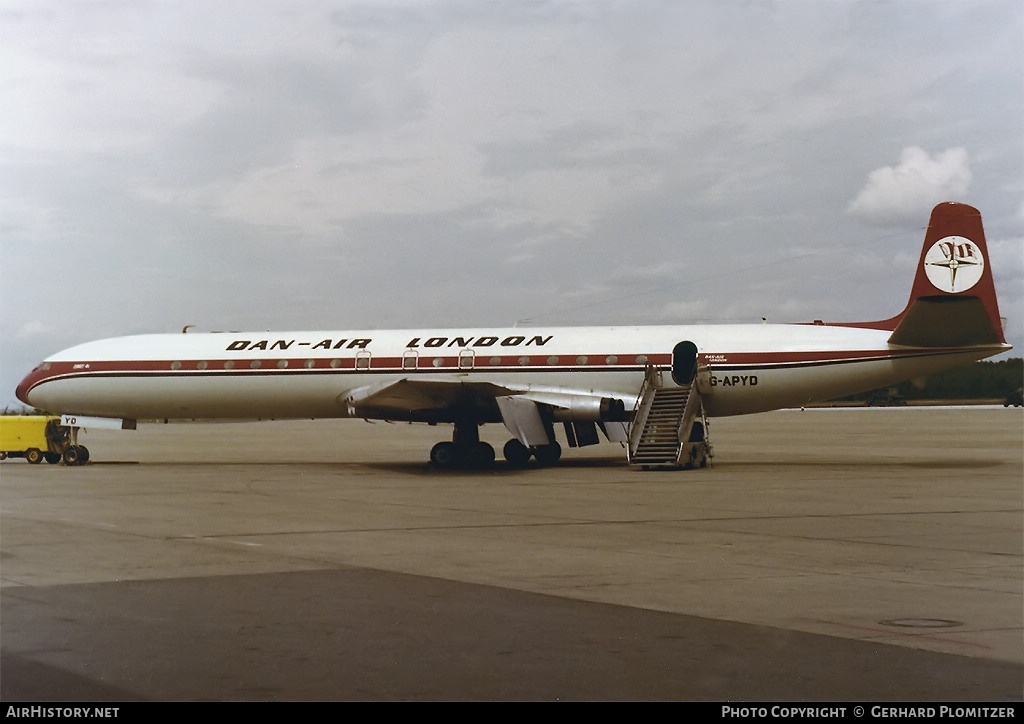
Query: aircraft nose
[23, 388]
[22, 391]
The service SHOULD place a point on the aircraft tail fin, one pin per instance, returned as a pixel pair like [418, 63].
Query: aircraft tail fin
[953, 300]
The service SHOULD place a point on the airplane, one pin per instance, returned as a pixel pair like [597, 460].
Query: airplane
[649, 388]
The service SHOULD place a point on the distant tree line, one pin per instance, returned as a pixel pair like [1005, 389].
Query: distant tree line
[981, 380]
[23, 411]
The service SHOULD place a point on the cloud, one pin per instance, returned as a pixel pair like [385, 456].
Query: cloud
[355, 164]
[908, 190]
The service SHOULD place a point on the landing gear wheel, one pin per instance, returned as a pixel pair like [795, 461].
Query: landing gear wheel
[444, 455]
[480, 456]
[548, 454]
[34, 456]
[71, 455]
[76, 455]
[516, 454]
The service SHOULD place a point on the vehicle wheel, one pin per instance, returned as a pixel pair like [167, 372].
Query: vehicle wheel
[83, 454]
[3, 456]
[73, 455]
[52, 457]
[34, 456]
[516, 454]
[444, 455]
[548, 454]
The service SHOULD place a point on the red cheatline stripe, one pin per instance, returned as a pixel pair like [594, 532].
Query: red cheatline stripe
[425, 363]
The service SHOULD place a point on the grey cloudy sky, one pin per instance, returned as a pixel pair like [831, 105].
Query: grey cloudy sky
[317, 164]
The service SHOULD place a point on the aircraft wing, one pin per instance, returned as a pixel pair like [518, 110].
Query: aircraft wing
[435, 400]
[527, 413]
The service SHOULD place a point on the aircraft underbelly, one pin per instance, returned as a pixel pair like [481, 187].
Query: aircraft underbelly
[169, 397]
[274, 396]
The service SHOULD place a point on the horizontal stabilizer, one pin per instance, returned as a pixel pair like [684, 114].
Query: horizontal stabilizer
[946, 322]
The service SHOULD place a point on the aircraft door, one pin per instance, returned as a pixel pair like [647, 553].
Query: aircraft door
[684, 362]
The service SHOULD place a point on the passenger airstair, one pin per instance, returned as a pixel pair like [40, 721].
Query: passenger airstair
[669, 429]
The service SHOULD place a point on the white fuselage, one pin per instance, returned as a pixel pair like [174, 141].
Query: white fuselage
[247, 375]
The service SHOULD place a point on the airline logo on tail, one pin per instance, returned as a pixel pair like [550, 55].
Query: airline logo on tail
[954, 264]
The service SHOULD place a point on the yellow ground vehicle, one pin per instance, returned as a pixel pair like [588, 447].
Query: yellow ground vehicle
[37, 438]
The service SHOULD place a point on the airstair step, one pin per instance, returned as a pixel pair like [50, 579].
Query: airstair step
[658, 442]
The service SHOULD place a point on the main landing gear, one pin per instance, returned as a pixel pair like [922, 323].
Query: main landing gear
[518, 455]
[468, 451]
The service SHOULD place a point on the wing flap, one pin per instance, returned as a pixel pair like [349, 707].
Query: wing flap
[523, 419]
